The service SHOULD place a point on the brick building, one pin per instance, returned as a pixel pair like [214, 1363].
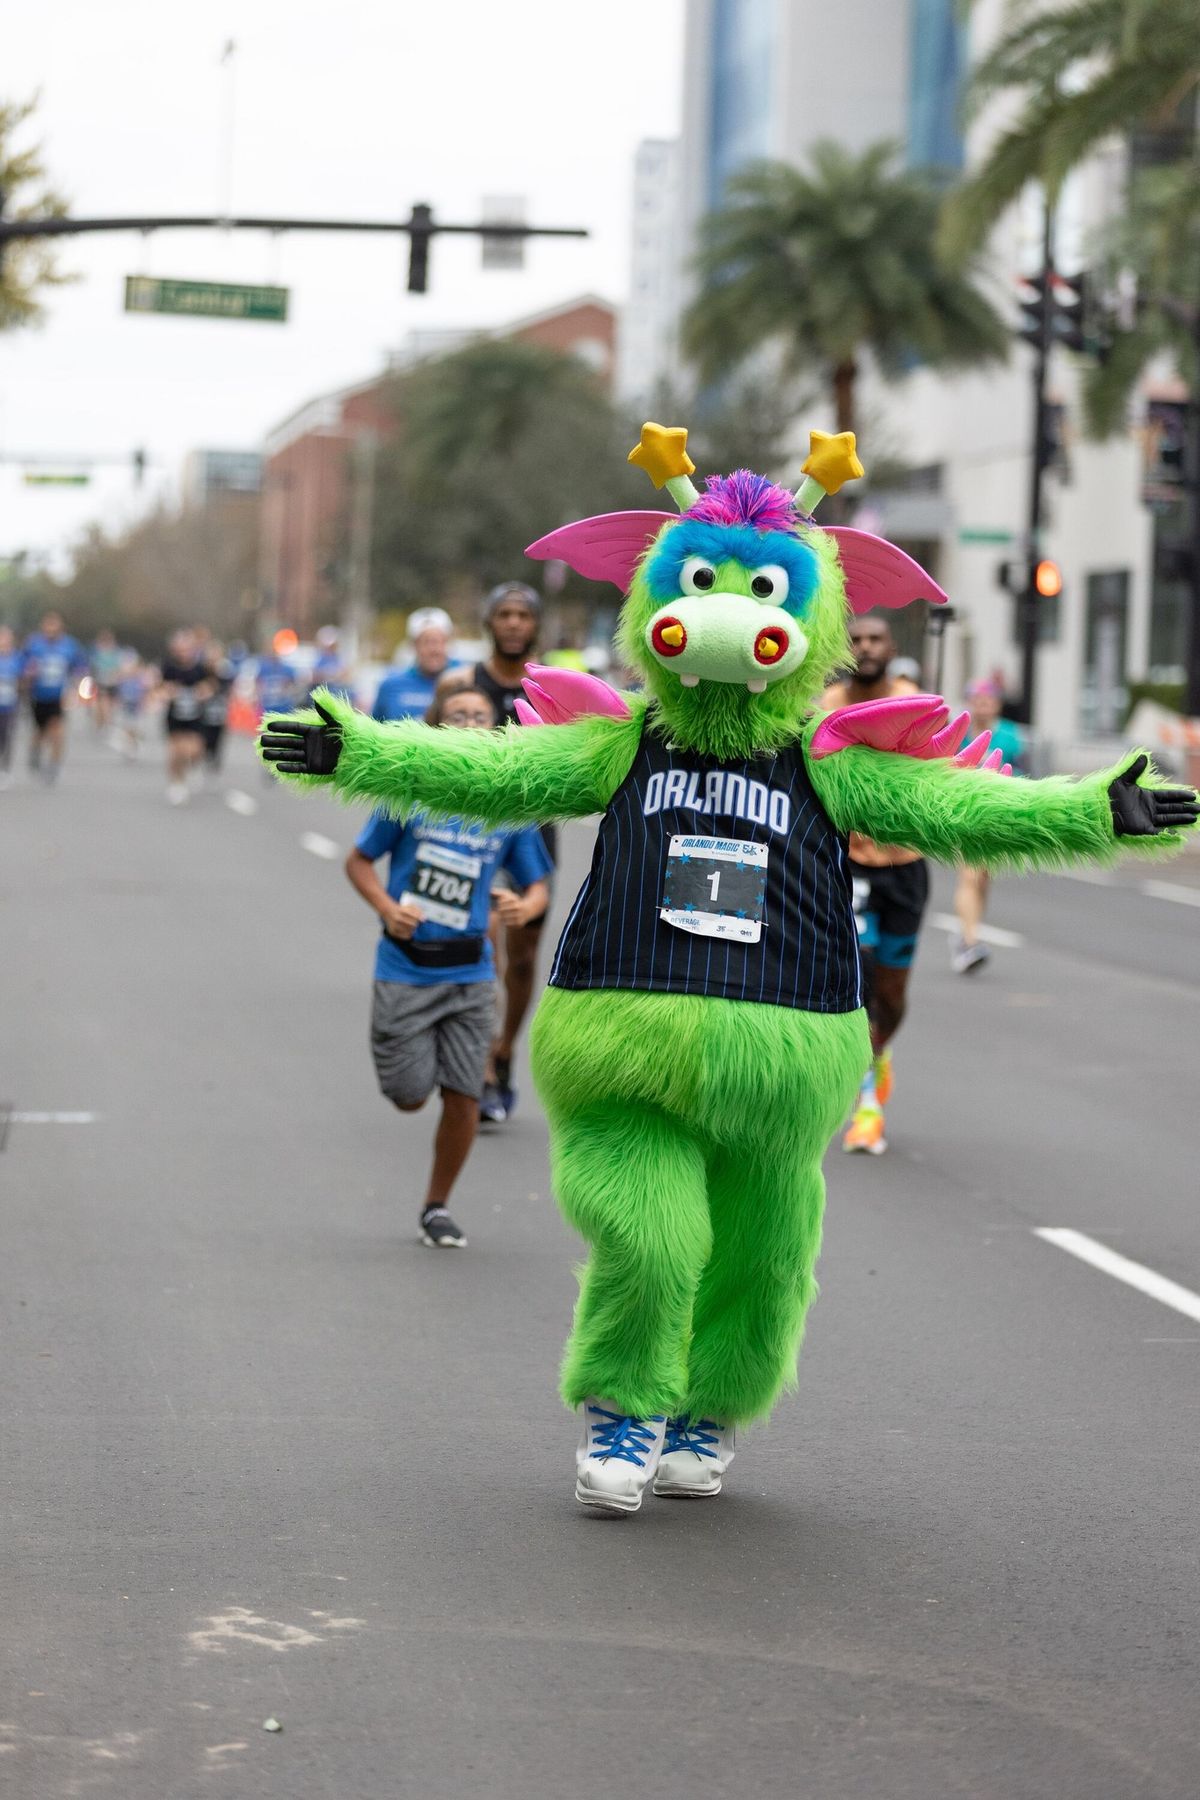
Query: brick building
[308, 459]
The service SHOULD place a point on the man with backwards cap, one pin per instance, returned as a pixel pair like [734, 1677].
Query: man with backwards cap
[512, 614]
[408, 693]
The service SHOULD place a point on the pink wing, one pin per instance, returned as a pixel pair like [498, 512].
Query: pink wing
[607, 547]
[559, 695]
[909, 725]
[878, 574]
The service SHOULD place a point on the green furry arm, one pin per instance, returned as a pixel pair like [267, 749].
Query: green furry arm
[976, 815]
[521, 776]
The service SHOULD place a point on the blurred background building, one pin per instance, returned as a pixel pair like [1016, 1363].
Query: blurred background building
[768, 79]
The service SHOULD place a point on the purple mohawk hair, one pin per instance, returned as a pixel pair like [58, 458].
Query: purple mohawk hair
[744, 498]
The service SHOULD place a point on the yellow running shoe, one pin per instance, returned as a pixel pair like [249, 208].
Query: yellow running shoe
[882, 1068]
[865, 1131]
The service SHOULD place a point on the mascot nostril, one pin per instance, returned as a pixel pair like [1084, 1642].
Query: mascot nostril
[668, 637]
[703, 1035]
[771, 644]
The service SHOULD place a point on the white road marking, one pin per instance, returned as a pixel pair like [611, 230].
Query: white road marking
[239, 1625]
[1171, 890]
[53, 1118]
[990, 934]
[1135, 1275]
[318, 845]
[1094, 877]
[237, 802]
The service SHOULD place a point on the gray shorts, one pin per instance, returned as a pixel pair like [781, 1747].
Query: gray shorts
[431, 1037]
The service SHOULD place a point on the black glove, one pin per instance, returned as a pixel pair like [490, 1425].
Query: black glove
[303, 749]
[1145, 811]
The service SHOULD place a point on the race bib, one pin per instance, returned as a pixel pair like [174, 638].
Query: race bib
[443, 886]
[52, 671]
[187, 704]
[716, 887]
[8, 692]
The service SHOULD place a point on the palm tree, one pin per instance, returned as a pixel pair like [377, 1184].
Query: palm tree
[830, 264]
[1157, 241]
[1141, 60]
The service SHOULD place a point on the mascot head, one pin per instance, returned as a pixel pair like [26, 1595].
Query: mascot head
[735, 613]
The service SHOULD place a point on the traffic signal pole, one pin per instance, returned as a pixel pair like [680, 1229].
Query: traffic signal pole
[1028, 610]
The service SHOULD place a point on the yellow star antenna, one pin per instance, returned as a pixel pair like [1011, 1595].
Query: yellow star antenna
[662, 452]
[832, 460]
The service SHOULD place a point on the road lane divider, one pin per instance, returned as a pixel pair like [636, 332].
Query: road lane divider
[1121, 1268]
[244, 804]
[317, 845]
[988, 934]
[1172, 890]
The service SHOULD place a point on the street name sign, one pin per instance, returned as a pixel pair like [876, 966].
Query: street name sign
[205, 299]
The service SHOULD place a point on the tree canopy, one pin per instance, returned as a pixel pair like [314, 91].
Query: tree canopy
[28, 265]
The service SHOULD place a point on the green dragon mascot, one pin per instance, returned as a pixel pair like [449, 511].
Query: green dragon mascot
[703, 1035]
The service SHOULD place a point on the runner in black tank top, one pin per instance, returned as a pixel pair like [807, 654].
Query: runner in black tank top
[512, 613]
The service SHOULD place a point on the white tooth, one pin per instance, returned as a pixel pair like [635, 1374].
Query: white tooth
[693, 681]
[757, 687]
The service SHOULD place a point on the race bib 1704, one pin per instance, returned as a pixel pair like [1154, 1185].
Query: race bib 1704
[443, 885]
[716, 887]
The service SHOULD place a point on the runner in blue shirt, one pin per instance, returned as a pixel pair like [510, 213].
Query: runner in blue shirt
[10, 683]
[48, 661]
[434, 1004]
[408, 693]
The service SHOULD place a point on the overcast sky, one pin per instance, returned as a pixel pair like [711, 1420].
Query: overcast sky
[350, 109]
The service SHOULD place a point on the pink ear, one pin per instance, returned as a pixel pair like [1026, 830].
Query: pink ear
[606, 547]
[878, 574]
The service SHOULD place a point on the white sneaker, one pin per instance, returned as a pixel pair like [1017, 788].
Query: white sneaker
[177, 793]
[694, 1459]
[966, 958]
[617, 1456]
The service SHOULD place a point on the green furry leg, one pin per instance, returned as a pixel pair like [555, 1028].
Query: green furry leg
[687, 1136]
[632, 1184]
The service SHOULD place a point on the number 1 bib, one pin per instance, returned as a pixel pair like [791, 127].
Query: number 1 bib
[716, 887]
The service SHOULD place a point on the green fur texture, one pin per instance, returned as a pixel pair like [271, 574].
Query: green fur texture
[686, 1143]
[520, 776]
[724, 719]
[977, 815]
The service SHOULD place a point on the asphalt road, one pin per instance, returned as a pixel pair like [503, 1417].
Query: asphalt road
[265, 1457]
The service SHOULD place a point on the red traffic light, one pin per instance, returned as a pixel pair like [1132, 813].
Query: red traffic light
[1047, 579]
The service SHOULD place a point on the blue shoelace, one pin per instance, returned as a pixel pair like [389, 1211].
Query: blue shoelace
[683, 1434]
[622, 1439]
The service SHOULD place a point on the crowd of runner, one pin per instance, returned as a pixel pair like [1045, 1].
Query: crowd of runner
[462, 910]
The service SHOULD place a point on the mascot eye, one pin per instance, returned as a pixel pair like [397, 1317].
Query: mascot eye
[697, 576]
[770, 583]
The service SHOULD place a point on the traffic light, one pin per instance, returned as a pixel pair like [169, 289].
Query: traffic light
[1067, 298]
[1030, 331]
[1047, 579]
[420, 230]
[1070, 307]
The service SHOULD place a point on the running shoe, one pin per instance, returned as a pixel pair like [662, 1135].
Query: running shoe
[177, 793]
[617, 1456]
[504, 1086]
[696, 1454]
[439, 1231]
[865, 1131]
[966, 958]
[881, 1068]
[492, 1110]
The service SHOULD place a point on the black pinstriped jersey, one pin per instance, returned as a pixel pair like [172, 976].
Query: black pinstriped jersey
[719, 878]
